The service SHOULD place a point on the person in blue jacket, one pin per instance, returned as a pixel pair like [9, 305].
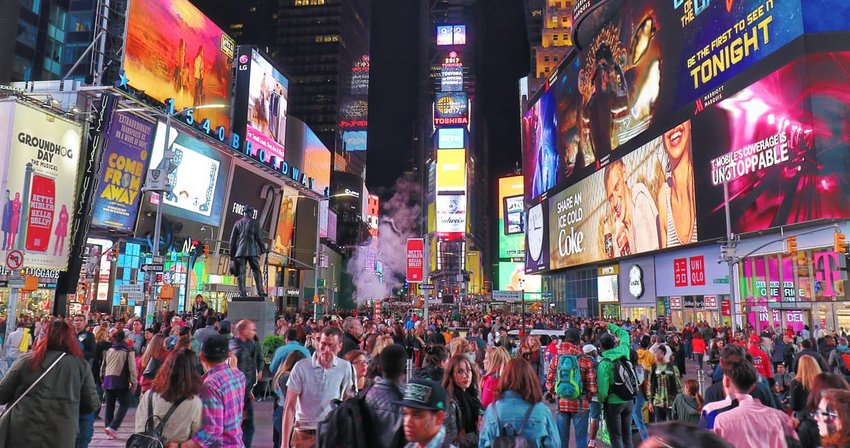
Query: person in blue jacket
[519, 408]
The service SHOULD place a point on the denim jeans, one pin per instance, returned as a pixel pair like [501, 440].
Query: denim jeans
[277, 421]
[637, 416]
[86, 431]
[112, 419]
[579, 420]
[248, 422]
[688, 346]
[618, 419]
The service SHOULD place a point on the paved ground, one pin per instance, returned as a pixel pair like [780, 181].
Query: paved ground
[263, 416]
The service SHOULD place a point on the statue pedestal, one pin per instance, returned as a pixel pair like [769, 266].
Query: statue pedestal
[248, 299]
[257, 309]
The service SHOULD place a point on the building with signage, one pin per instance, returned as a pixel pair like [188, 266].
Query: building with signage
[549, 27]
[628, 184]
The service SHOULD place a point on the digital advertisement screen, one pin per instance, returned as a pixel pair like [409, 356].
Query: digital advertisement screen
[174, 51]
[608, 288]
[537, 238]
[267, 105]
[257, 192]
[285, 229]
[41, 159]
[354, 140]
[126, 154]
[332, 225]
[781, 145]
[511, 218]
[450, 138]
[198, 177]
[451, 35]
[451, 214]
[640, 203]
[308, 160]
[512, 277]
[451, 109]
[451, 170]
[643, 62]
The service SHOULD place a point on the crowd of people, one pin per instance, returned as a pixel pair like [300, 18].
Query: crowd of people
[461, 379]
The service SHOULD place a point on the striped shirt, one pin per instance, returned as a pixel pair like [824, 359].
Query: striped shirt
[223, 397]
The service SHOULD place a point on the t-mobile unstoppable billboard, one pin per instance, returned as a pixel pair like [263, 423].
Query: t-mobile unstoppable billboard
[642, 64]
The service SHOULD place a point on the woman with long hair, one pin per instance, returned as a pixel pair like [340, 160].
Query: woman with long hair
[698, 348]
[495, 359]
[434, 366]
[49, 413]
[530, 351]
[688, 404]
[279, 383]
[359, 362]
[807, 369]
[177, 384]
[101, 345]
[807, 429]
[833, 416]
[119, 378]
[519, 404]
[152, 360]
[373, 365]
[464, 410]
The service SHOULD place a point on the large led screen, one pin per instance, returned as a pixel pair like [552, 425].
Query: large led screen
[537, 238]
[451, 109]
[640, 203]
[197, 177]
[255, 191]
[267, 105]
[512, 277]
[125, 163]
[781, 143]
[284, 234]
[174, 51]
[511, 218]
[450, 138]
[451, 214]
[308, 161]
[645, 62]
[451, 170]
[40, 157]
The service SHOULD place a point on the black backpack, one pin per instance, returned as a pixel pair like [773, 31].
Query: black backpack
[625, 380]
[347, 425]
[152, 435]
[510, 437]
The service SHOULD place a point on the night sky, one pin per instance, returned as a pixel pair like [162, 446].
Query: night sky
[503, 59]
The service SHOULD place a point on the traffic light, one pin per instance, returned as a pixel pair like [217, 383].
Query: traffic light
[206, 250]
[791, 245]
[839, 243]
[115, 251]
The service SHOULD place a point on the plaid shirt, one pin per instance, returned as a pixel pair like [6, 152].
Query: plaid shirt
[223, 397]
[588, 379]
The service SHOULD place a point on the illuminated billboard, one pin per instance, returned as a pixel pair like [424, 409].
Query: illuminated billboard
[41, 155]
[198, 177]
[537, 238]
[281, 246]
[451, 35]
[451, 215]
[451, 170]
[307, 160]
[511, 218]
[512, 277]
[644, 64]
[451, 73]
[640, 203]
[354, 140]
[126, 154]
[174, 51]
[450, 138]
[258, 192]
[451, 109]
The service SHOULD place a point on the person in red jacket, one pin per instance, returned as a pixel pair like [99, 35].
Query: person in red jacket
[698, 348]
[760, 359]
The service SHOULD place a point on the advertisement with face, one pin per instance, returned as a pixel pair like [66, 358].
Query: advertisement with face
[781, 146]
[640, 203]
[641, 63]
[285, 228]
[125, 163]
[511, 218]
[451, 215]
[541, 162]
[41, 170]
[267, 100]
[174, 51]
[197, 179]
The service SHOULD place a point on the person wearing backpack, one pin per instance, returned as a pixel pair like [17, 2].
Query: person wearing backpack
[572, 378]
[616, 384]
[171, 410]
[518, 417]
[665, 383]
[381, 399]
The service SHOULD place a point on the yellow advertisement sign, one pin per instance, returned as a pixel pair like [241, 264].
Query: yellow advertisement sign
[451, 170]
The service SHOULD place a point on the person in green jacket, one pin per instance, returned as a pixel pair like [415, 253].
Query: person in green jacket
[617, 411]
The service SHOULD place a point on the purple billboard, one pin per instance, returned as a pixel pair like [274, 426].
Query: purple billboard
[125, 162]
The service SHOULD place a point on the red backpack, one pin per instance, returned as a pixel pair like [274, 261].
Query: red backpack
[846, 357]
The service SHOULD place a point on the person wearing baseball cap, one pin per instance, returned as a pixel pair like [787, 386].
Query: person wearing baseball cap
[424, 408]
[760, 359]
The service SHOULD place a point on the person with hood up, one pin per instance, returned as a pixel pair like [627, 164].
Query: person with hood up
[837, 356]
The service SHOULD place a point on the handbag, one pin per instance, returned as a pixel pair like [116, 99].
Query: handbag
[4, 422]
